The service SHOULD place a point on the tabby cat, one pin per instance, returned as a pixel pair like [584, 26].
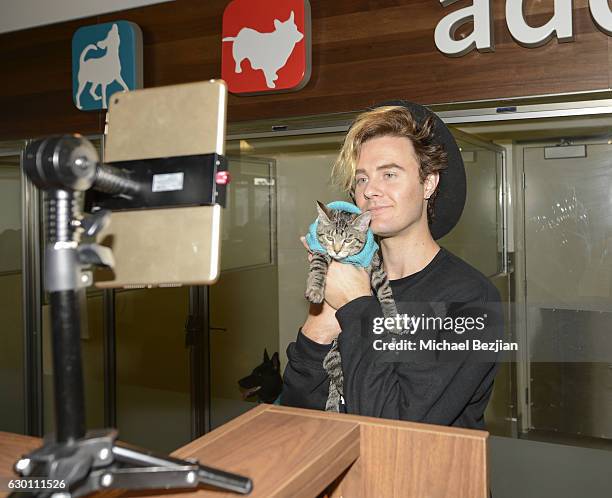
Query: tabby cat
[343, 234]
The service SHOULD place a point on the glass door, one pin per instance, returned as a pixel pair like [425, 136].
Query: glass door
[244, 302]
[480, 238]
[568, 262]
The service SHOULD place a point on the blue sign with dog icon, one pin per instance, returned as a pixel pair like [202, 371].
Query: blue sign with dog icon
[106, 58]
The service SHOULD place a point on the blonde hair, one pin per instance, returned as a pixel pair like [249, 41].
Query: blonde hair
[395, 121]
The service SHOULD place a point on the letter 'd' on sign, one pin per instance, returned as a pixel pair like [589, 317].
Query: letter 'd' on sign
[560, 24]
[481, 36]
[266, 46]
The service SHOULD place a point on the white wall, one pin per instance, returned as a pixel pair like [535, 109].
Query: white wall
[23, 14]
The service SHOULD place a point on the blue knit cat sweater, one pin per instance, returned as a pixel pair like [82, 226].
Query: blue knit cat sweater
[362, 258]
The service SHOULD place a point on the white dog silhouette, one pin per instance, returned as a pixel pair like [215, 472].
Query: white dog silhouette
[266, 51]
[103, 70]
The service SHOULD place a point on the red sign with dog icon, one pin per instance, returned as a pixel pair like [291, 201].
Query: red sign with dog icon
[266, 46]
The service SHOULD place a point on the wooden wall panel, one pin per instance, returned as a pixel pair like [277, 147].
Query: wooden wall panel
[364, 51]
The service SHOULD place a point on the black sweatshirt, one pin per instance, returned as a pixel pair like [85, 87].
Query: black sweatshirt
[445, 388]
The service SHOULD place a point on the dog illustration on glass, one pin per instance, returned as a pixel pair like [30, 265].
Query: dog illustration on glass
[268, 52]
[101, 71]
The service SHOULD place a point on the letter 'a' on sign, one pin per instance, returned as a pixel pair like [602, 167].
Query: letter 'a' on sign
[600, 10]
[560, 24]
[481, 36]
[106, 58]
[266, 46]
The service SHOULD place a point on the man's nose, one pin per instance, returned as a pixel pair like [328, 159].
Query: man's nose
[371, 190]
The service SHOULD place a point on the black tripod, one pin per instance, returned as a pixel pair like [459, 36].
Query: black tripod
[72, 461]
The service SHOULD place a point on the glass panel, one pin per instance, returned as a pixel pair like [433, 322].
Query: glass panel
[270, 299]
[153, 395]
[568, 241]
[244, 302]
[92, 346]
[247, 221]
[11, 319]
[476, 238]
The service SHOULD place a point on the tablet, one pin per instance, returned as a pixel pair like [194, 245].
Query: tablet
[167, 246]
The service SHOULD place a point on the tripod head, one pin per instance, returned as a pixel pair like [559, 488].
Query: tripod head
[62, 166]
[71, 162]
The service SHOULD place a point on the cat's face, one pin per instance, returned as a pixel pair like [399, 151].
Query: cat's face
[340, 233]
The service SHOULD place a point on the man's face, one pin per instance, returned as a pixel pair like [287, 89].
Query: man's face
[387, 184]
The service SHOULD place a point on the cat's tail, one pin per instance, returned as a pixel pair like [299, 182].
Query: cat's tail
[332, 364]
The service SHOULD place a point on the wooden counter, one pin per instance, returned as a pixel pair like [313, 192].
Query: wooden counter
[293, 453]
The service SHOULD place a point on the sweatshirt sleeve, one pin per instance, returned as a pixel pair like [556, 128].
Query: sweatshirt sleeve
[305, 382]
[438, 388]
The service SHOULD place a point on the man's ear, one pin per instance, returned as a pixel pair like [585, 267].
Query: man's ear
[324, 214]
[430, 184]
[362, 222]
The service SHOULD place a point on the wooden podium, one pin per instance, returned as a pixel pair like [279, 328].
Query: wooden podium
[296, 453]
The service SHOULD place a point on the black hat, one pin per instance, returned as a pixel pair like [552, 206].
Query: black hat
[450, 200]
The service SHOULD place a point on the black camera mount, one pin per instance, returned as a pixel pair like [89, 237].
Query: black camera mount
[63, 167]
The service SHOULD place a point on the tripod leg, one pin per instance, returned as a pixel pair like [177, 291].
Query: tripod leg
[206, 475]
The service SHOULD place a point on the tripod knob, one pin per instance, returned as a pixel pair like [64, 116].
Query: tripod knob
[97, 255]
[94, 222]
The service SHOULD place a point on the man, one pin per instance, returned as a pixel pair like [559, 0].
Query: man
[401, 163]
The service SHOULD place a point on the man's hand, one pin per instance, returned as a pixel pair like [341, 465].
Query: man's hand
[345, 283]
[321, 325]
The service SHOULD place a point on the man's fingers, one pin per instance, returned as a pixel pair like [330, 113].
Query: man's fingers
[305, 244]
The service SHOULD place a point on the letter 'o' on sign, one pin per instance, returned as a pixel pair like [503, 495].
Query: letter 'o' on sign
[266, 46]
[106, 58]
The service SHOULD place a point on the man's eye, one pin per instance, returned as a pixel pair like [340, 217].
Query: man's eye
[390, 175]
[360, 180]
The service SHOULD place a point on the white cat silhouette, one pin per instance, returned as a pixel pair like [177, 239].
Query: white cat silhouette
[103, 70]
[266, 51]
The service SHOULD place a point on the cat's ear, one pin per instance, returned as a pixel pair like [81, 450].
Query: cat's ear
[362, 222]
[324, 214]
[291, 17]
[266, 357]
[277, 23]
